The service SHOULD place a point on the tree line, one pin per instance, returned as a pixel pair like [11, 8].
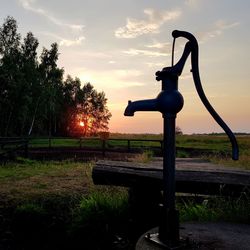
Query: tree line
[36, 98]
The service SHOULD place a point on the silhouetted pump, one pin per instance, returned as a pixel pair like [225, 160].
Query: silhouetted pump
[169, 102]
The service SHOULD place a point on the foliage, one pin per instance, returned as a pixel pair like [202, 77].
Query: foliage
[87, 113]
[102, 205]
[102, 215]
[34, 97]
[216, 209]
[145, 157]
[178, 130]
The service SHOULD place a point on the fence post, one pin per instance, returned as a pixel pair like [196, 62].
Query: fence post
[161, 146]
[128, 145]
[103, 148]
[49, 142]
[104, 135]
[80, 142]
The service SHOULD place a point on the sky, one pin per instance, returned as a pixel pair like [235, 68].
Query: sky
[118, 46]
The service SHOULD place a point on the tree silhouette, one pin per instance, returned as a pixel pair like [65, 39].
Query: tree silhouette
[34, 98]
[88, 112]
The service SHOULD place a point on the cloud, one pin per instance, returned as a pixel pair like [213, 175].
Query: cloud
[219, 27]
[67, 43]
[63, 41]
[223, 25]
[153, 65]
[151, 24]
[127, 74]
[29, 5]
[152, 50]
[111, 79]
[159, 45]
[151, 53]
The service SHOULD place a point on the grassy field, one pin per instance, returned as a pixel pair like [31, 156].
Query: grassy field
[55, 205]
[219, 144]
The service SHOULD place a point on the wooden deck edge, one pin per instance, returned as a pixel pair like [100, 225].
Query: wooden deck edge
[187, 181]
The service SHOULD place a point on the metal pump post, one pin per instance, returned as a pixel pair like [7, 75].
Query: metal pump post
[169, 102]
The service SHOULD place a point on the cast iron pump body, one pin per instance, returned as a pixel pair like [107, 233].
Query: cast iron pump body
[169, 102]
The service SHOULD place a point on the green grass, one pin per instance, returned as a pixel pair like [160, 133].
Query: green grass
[214, 142]
[31, 208]
[98, 217]
[105, 205]
[216, 209]
[211, 142]
[145, 157]
[26, 168]
[218, 144]
[64, 142]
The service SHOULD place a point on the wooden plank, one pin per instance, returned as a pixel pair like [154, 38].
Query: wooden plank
[192, 176]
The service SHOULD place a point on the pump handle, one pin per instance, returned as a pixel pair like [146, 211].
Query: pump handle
[200, 91]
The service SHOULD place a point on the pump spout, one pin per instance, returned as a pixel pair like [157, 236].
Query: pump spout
[143, 105]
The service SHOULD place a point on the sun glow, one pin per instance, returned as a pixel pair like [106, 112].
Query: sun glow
[85, 123]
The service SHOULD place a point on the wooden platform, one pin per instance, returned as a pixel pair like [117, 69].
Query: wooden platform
[193, 175]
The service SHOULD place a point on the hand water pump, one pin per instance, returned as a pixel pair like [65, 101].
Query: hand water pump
[169, 102]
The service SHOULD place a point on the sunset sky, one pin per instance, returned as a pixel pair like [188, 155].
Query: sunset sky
[118, 46]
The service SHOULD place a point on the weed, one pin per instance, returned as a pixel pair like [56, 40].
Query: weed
[30, 208]
[191, 211]
[145, 157]
[182, 154]
[216, 209]
[102, 205]
[101, 215]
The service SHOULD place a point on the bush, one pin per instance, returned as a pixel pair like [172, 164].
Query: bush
[103, 215]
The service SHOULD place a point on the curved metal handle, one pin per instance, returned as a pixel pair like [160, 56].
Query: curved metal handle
[200, 91]
[178, 67]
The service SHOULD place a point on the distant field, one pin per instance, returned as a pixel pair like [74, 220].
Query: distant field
[217, 143]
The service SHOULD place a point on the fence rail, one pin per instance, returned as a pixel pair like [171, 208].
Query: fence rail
[9, 145]
[96, 143]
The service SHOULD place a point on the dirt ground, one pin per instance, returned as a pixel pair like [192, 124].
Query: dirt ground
[207, 236]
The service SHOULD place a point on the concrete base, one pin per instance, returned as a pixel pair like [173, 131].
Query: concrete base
[206, 236]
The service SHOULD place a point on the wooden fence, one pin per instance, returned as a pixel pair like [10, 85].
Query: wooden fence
[9, 146]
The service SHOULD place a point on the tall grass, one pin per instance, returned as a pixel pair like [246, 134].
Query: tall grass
[103, 205]
[102, 217]
[145, 157]
[216, 209]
